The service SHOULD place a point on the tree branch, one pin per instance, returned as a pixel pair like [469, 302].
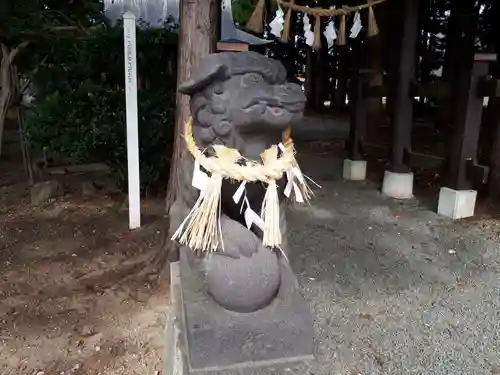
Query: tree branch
[5, 50]
[31, 74]
[16, 51]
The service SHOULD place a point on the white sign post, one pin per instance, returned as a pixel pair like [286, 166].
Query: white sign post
[134, 192]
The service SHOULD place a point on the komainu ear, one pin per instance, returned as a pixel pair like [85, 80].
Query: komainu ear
[202, 77]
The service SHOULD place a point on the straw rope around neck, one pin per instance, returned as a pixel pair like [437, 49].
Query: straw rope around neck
[201, 229]
[252, 171]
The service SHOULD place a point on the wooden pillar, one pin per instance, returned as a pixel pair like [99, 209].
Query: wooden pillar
[463, 168]
[403, 102]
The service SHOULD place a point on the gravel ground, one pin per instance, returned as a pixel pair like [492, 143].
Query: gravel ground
[395, 289]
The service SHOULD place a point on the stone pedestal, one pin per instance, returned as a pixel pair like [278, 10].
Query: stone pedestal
[398, 185]
[456, 204]
[203, 338]
[354, 170]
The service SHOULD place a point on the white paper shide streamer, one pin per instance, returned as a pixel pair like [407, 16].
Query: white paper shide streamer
[330, 32]
[251, 217]
[277, 23]
[308, 33]
[356, 26]
[293, 175]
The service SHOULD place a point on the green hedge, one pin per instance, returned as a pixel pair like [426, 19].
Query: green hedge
[79, 110]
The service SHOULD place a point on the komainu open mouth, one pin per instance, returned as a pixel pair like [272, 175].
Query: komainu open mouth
[294, 107]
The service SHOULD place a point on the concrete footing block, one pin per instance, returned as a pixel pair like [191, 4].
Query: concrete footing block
[456, 204]
[398, 185]
[204, 339]
[354, 170]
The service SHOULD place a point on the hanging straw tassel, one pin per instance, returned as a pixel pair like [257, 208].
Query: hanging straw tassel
[256, 21]
[317, 34]
[271, 216]
[372, 22]
[270, 206]
[285, 36]
[201, 228]
[341, 38]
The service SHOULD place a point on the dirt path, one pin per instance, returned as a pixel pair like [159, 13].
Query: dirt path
[72, 297]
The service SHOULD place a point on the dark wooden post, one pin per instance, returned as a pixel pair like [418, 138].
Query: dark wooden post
[357, 109]
[342, 72]
[460, 34]
[463, 168]
[494, 177]
[403, 102]
[310, 85]
[357, 105]
[318, 80]
[322, 75]
[332, 86]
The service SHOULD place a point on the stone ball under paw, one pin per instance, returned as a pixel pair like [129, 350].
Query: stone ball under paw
[244, 284]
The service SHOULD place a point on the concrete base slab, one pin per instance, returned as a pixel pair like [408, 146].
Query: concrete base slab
[398, 185]
[204, 339]
[456, 204]
[354, 170]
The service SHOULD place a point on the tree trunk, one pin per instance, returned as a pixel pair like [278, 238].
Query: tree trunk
[5, 94]
[6, 83]
[16, 92]
[197, 38]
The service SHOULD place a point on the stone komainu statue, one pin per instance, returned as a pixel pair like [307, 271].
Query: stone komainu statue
[240, 100]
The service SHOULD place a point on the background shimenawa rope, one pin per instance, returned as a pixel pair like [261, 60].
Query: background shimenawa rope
[323, 12]
[256, 21]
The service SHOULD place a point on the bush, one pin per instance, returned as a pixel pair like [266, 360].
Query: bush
[79, 109]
